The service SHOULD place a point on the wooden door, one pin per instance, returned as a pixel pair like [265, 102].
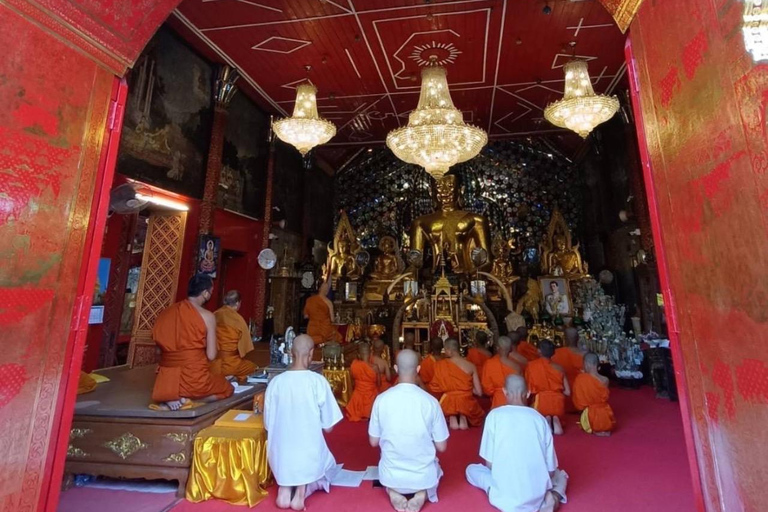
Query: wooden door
[158, 282]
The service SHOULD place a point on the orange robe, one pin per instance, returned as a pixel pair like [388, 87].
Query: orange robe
[546, 382]
[478, 358]
[456, 386]
[361, 403]
[184, 369]
[320, 326]
[591, 397]
[233, 339]
[427, 369]
[494, 374]
[530, 352]
[571, 362]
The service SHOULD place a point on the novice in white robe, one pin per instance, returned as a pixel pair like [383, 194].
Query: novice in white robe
[298, 405]
[517, 442]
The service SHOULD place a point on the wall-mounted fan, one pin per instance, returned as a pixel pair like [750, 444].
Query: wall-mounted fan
[126, 199]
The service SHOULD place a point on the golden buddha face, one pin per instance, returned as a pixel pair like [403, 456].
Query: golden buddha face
[559, 243]
[344, 246]
[387, 245]
[446, 191]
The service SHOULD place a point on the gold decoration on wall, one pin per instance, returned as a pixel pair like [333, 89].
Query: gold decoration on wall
[160, 267]
[559, 257]
[178, 437]
[341, 256]
[622, 11]
[125, 445]
[76, 452]
[178, 458]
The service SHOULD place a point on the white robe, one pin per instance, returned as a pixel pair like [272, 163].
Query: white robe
[408, 421]
[297, 407]
[518, 442]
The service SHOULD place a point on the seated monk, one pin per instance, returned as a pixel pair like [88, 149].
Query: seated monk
[478, 352]
[298, 407]
[186, 335]
[409, 427]
[520, 473]
[457, 379]
[526, 349]
[496, 370]
[514, 355]
[570, 357]
[382, 365]
[367, 379]
[547, 382]
[427, 368]
[590, 395]
[233, 339]
[319, 310]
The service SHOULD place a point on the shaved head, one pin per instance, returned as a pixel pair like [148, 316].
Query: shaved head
[547, 348]
[451, 345]
[516, 390]
[301, 350]
[232, 298]
[523, 332]
[407, 362]
[571, 336]
[504, 344]
[363, 349]
[436, 346]
[591, 361]
[514, 338]
[408, 340]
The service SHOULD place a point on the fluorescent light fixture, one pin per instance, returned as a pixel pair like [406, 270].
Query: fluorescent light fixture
[160, 201]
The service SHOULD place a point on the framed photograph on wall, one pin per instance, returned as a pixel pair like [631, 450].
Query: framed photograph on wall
[557, 296]
[209, 249]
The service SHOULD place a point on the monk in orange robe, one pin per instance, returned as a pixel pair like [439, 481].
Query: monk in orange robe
[186, 335]
[382, 366]
[590, 395]
[496, 371]
[319, 310]
[367, 381]
[478, 352]
[526, 349]
[233, 340]
[514, 355]
[547, 381]
[457, 379]
[570, 357]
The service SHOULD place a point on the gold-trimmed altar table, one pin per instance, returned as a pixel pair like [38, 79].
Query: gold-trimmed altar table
[115, 434]
[229, 464]
[341, 384]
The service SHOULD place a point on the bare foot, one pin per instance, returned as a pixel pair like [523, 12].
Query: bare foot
[415, 503]
[173, 405]
[463, 425]
[453, 423]
[283, 497]
[297, 503]
[557, 427]
[397, 500]
[603, 434]
[550, 503]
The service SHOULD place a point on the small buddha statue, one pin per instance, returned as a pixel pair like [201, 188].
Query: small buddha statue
[564, 261]
[450, 232]
[388, 264]
[501, 267]
[342, 262]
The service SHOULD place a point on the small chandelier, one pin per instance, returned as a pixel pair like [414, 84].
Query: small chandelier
[580, 110]
[305, 129]
[436, 137]
[755, 28]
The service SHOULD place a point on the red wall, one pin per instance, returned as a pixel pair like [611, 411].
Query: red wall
[703, 107]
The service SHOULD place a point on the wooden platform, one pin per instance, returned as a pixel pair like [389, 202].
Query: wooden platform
[114, 433]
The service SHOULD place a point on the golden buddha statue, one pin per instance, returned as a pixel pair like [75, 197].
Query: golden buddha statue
[502, 268]
[452, 233]
[388, 264]
[558, 256]
[341, 257]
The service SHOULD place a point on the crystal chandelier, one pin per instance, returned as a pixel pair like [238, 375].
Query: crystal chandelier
[580, 110]
[755, 28]
[305, 129]
[436, 137]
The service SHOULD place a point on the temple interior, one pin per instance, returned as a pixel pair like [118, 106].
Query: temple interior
[580, 177]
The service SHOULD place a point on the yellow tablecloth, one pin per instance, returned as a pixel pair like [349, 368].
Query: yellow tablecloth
[229, 464]
[341, 384]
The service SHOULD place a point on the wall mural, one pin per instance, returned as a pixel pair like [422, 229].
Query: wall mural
[244, 159]
[515, 185]
[168, 117]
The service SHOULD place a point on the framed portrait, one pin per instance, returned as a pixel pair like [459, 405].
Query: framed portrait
[208, 255]
[557, 296]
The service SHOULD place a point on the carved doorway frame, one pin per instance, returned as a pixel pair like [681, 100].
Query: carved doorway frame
[158, 281]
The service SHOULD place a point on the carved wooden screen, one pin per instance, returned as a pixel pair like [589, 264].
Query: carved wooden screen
[159, 279]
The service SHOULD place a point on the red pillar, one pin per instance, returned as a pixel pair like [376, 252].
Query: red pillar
[260, 303]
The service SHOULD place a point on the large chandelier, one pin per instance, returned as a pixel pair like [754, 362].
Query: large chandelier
[581, 109]
[436, 137]
[305, 129]
[755, 28]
